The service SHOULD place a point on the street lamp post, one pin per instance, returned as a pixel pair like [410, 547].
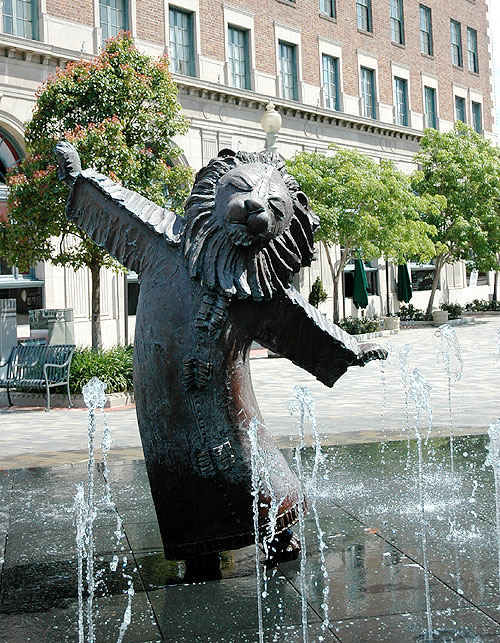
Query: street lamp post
[271, 123]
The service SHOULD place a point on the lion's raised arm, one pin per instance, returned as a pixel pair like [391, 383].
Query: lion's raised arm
[291, 327]
[119, 220]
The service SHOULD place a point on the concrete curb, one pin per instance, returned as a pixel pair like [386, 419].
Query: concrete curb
[58, 400]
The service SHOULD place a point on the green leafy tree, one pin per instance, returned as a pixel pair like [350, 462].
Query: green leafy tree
[318, 294]
[367, 208]
[462, 169]
[120, 111]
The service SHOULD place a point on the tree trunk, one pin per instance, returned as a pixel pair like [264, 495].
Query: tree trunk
[95, 304]
[335, 280]
[435, 281]
[495, 287]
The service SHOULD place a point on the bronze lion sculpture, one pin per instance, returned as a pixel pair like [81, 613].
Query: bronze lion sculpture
[211, 283]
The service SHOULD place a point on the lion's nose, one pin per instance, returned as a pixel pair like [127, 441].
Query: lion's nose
[258, 219]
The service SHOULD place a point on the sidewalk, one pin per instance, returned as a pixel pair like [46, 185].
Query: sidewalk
[366, 404]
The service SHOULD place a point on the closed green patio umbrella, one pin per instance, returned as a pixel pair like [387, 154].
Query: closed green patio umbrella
[404, 284]
[360, 289]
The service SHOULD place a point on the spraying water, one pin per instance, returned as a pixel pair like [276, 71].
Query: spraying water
[493, 459]
[85, 508]
[419, 394]
[448, 352]
[304, 406]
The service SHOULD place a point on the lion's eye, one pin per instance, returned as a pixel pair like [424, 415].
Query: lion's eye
[240, 184]
[277, 205]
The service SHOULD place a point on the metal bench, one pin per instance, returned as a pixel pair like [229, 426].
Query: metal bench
[38, 366]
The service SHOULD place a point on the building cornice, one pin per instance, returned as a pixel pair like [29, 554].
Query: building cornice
[229, 95]
[23, 49]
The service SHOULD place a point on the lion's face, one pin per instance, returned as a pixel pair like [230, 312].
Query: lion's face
[248, 227]
[253, 204]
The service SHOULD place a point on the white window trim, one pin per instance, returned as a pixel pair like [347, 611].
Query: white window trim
[242, 19]
[333, 49]
[399, 71]
[190, 6]
[431, 81]
[476, 97]
[370, 62]
[292, 35]
[461, 91]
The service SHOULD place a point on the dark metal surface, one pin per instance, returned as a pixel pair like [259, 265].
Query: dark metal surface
[211, 283]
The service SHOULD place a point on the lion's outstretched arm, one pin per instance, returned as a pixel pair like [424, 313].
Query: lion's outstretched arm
[298, 331]
[119, 220]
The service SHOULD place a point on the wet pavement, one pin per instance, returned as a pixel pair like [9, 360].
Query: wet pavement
[367, 509]
[367, 501]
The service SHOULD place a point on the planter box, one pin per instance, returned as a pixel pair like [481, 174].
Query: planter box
[392, 323]
[439, 317]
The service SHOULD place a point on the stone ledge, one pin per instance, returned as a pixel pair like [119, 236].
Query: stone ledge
[461, 321]
[58, 400]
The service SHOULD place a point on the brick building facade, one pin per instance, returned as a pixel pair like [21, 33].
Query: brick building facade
[365, 73]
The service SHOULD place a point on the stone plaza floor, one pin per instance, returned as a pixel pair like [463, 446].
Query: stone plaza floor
[367, 507]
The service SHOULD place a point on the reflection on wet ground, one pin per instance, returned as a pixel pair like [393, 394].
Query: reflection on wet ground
[367, 501]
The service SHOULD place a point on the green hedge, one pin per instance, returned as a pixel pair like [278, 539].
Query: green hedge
[359, 325]
[112, 365]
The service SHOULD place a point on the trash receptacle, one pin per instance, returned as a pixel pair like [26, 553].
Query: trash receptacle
[8, 330]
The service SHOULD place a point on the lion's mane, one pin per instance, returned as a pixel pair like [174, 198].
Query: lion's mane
[218, 262]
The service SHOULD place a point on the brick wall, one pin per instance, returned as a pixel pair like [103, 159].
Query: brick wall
[305, 15]
[151, 21]
[81, 11]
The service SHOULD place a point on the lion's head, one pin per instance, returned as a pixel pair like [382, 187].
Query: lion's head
[248, 227]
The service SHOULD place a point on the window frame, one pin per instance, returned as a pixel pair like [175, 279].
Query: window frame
[123, 27]
[426, 36]
[176, 68]
[367, 72]
[30, 33]
[460, 100]
[292, 47]
[397, 22]
[456, 47]
[404, 114]
[327, 8]
[477, 110]
[430, 91]
[246, 59]
[364, 11]
[472, 54]
[324, 72]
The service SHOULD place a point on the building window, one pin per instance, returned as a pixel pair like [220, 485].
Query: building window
[456, 43]
[20, 18]
[472, 50]
[401, 98]
[288, 71]
[181, 42]
[327, 8]
[425, 31]
[460, 109]
[331, 81]
[364, 13]
[477, 120]
[397, 28]
[430, 107]
[422, 276]
[368, 92]
[239, 64]
[113, 17]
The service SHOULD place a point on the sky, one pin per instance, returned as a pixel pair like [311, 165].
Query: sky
[495, 36]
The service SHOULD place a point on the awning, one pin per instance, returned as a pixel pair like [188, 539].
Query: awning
[404, 284]
[360, 288]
